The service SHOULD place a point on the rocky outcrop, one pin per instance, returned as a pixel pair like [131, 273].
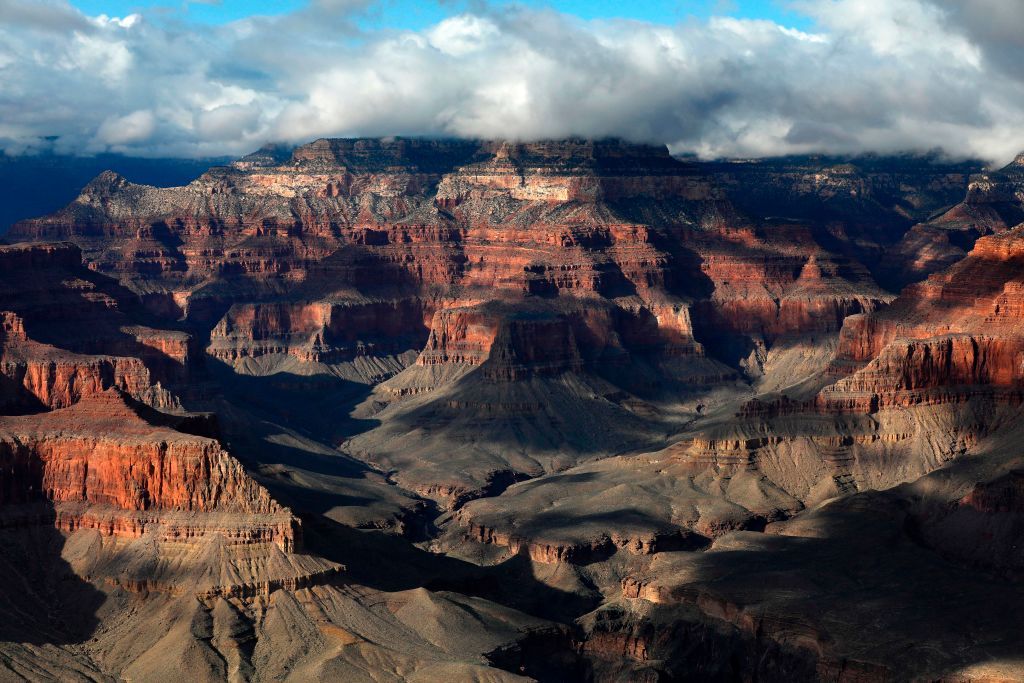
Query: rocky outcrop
[749, 607]
[950, 337]
[54, 379]
[138, 467]
[769, 298]
[852, 191]
[101, 452]
[44, 375]
[994, 203]
[527, 276]
[561, 218]
[319, 332]
[68, 333]
[582, 552]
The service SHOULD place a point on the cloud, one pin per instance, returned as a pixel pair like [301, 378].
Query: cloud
[56, 17]
[870, 75]
[462, 35]
[994, 26]
[121, 131]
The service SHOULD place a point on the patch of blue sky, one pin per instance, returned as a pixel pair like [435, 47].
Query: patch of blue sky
[415, 15]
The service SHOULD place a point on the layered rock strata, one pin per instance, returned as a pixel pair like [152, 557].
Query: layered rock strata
[538, 358]
[100, 452]
[67, 333]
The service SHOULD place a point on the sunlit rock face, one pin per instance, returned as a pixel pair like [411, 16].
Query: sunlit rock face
[477, 410]
[68, 333]
[946, 338]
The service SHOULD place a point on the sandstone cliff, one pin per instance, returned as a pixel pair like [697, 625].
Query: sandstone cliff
[66, 333]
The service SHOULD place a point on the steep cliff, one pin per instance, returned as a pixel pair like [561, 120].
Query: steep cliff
[954, 335]
[994, 203]
[66, 333]
[100, 451]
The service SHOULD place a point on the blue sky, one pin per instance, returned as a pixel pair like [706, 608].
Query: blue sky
[413, 14]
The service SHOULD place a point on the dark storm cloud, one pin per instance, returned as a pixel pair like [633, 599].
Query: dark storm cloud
[996, 26]
[879, 75]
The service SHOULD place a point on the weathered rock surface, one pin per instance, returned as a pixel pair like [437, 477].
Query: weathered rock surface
[756, 604]
[101, 451]
[947, 338]
[994, 204]
[65, 333]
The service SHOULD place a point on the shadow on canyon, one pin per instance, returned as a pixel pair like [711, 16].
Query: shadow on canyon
[81, 320]
[15, 399]
[43, 601]
[392, 563]
[317, 406]
[857, 585]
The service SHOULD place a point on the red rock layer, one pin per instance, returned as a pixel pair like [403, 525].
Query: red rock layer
[171, 527]
[647, 543]
[65, 334]
[955, 334]
[39, 374]
[994, 203]
[100, 452]
[319, 332]
[781, 286]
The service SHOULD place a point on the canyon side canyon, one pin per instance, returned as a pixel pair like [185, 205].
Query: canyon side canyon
[438, 410]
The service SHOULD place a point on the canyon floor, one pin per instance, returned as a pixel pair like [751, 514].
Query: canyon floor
[420, 410]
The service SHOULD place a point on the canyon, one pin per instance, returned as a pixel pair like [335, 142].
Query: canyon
[411, 410]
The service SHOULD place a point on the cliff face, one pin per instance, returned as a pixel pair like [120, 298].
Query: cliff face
[570, 218]
[102, 496]
[89, 465]
[955, 334]
[66, 335]
[101, 452]
[319, 332]
[993, 204]
[56, 378]
[637, 274]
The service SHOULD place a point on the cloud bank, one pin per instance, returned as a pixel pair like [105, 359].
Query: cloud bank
[872, 75]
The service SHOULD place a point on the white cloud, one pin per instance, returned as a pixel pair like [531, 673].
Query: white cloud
[131, 129]
[126, 22]
[109, 59]
[228, 122]
[872, 75]
[462, 35]
[800, 35]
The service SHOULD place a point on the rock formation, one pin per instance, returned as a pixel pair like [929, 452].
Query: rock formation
[994, 203]
[564, 410]
[67, 333]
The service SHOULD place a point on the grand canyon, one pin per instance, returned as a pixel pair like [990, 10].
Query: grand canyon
[419, 409]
